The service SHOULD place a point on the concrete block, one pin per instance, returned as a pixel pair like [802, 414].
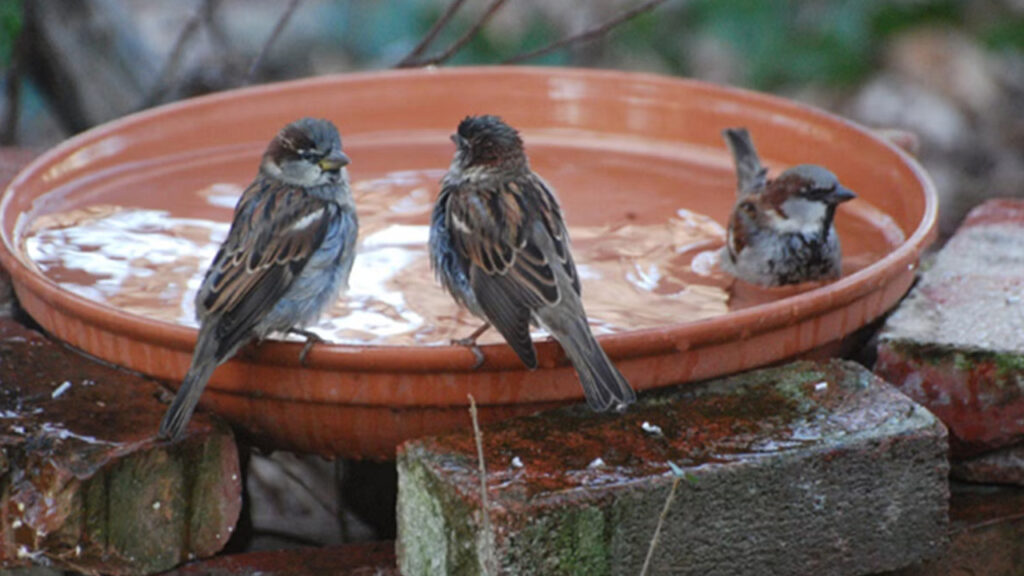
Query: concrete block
[810, 468]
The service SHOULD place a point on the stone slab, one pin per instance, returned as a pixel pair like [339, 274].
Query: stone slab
[84, 483]
[809, 468]
[956, 343]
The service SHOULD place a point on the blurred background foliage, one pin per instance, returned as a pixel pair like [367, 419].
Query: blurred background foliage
[951, 71]
[777, 44]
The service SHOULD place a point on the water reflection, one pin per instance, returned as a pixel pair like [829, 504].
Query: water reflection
[150, 262]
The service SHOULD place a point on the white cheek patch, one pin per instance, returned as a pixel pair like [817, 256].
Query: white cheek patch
[803, 216]
[306, 221]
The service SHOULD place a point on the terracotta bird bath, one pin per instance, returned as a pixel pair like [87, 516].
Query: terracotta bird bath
[106, 237]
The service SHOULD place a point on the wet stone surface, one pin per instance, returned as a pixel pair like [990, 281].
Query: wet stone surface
[806, 468]
[85, 484]
[956, 344]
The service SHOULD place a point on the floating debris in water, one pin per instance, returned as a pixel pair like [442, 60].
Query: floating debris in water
[597, 463]
[61, 389]
[651, 428]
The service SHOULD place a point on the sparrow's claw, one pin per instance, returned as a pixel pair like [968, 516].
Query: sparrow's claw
[311, 339]
[470, 342]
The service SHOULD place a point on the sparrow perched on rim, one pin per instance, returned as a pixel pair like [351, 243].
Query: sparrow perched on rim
[289, 251]
[499, 245]
[780, 231]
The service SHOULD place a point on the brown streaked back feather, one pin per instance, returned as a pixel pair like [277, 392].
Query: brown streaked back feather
[494, 233]
[257, 264]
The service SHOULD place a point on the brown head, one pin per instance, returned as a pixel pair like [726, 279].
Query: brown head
[305, 153]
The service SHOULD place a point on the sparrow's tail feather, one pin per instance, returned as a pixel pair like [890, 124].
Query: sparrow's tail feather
[184, 404]
[605, 387]
[750, 175]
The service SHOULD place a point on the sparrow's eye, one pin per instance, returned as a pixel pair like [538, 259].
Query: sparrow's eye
[748, 209]
[309, 155]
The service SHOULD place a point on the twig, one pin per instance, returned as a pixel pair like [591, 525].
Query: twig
[170, 67]
[464, 39]
[410, 59]
[487, 560]
[661, 522]
[589, 34]
[278, 28]
[9, 132]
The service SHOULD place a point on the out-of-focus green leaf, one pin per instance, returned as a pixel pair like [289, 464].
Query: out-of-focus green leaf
[10, 27]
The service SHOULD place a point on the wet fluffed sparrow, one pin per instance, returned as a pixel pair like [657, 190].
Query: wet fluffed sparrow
[781, 230]
[499, 245]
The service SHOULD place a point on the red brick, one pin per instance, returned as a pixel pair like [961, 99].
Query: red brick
[956, 344]
[84, 483]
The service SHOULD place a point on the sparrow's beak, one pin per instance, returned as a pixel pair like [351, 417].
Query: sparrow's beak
[334, 161]
[840, 195]
[458, 140]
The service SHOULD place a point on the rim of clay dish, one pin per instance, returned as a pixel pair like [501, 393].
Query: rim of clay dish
[648, 342]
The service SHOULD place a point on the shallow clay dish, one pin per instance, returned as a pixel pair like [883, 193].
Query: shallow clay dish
[623, 150]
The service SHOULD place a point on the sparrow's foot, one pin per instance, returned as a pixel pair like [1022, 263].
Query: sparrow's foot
[311, 339]
[470, 342]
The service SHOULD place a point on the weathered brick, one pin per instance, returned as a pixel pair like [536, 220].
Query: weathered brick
[803, 469]
[986, 531]
[956, 344]
[85, 484]
[1003, 466]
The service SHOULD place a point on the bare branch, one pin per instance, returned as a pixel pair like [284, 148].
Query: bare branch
[657, 529]
[170, 68]
[278, 28]
[589, 34]
[487, 561]
[411, 58]
[462, 41]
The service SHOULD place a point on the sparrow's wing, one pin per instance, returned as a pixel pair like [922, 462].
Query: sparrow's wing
[516, 246]
[275, 231]
[750, 175]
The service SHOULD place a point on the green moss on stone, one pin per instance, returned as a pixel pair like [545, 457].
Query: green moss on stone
[1009, 364]
[434, 529]
[567, 542]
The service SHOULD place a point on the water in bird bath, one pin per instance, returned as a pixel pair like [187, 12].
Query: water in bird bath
[645, 229]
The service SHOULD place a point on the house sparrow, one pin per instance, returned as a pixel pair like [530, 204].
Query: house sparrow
[499, 245]
[290, 249]
[780, 231]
